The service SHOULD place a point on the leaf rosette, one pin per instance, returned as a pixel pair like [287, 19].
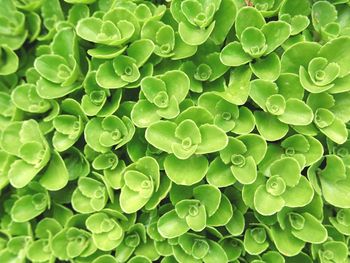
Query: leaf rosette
[13, 31]
[107, 233]
[139, 182]
[280, 107]
[73, 241]
[168, 43]
[284, 187]
[198, 20]
[147, 11]
[26, 98]
[297, 16]
[267, 8]
[331, 250]
[127, 70]
[90, 195]
[61, 69]
[332, 181]
[304, 148]
[134, 237]
[33, 202]
[233, 247]
[330, 116]
[111, 131]
[195, 248]
[187, 139]
[325, 68]
[98, 101]
[256, 240]
[299, 226]
[207, 208]
[325, 20]
[257, 39]
[26, 143]
[204, 68]
[227, 116]
[237, 161]
[15, 248]
[115, 28]
[69, 125]
[40, 250]
[162, 96]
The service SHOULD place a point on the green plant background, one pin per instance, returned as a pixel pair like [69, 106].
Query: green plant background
[174, 131]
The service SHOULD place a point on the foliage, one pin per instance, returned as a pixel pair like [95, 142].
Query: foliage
[174, 131]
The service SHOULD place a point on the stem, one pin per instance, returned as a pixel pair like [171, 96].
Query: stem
[248, 2]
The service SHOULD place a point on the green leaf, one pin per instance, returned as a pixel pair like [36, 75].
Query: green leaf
[335, 51]
[197, 218]
[312, 231]
[209, 196]
[107, 78]
[256, 146]
[269, 127]
[248, 17]
[224, 19]
[53, 68]
[289, 86]
[298, 23]
[194, 36]
[36, 251]
[246, 173]
[233, 55]
[133, 199]
[223, 214]
[29, 206]
[238, 88]
[285, 242]
[299, 195]
[186, 172]
[323, 13]
[104, 259]
[219, 174]
[308, 84]
[253, 42]
[267, 68]
[276, 33]
[255, 240]
[164, 130]
[236, 224]
[215, 253]
[265, 203]
[9, 60]
[245, 122]
[297, 112]
[213, 139]
[288, 168]
[140, 50]
[171, 226]
[26, 98]
[298, 55]
[337, 131]
[144, 114]
[49, 178]
[261, 90]
[21, 173]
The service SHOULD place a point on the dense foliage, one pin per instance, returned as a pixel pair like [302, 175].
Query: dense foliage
[174, 131]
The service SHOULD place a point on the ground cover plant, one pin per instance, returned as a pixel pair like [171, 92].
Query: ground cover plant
[174, 131]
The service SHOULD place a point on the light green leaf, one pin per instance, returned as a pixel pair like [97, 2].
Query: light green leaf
[186, 172]
[171, 226]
